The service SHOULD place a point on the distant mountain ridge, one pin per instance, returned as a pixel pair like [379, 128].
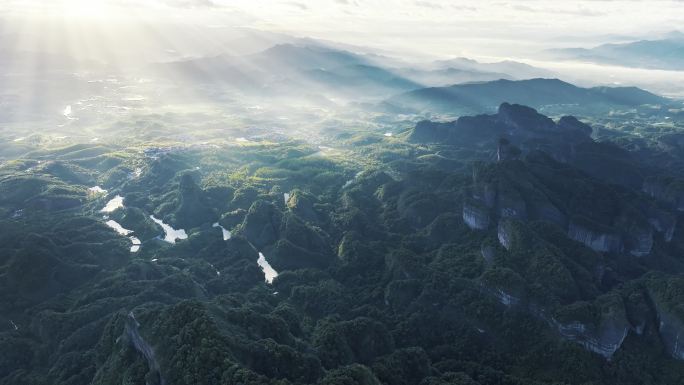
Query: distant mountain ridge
[539, 93]
[664, 53]
[286, 68]
[512, 68]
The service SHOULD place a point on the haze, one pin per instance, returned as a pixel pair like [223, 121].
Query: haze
[433, 28]
[341, 192]
[71, 52]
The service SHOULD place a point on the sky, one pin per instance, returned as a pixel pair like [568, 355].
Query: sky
[122, 33]
[419, 27]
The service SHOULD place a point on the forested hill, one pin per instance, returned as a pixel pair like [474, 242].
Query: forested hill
[507, 248]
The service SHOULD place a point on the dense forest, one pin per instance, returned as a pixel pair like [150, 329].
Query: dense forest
[509, 248]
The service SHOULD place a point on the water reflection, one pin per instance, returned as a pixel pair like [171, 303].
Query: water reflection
[125, 232]
[170, 234]
[114, 204]
[269, 272]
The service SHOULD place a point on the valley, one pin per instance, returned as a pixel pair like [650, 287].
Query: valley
[341, 192]
[506, 223]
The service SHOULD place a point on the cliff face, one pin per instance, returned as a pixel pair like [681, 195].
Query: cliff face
[488, 253]
[431, 132]
[667, 190]
[662, 221]
[671, 330]
[665, 294]
[484, 192]
[143, 347]
[529, 190]
[547, 211]
[603, 336]
[475, 215]
[504, 234]
[637, 231]
[596, 240]
[559, 192]
[504, 296]
[506, 151]
[640, 242]
[604, 339]
[510, 202]
[506, 299]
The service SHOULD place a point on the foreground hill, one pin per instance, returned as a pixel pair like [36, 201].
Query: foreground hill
[507, 248]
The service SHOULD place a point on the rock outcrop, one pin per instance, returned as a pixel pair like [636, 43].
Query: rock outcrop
[507, 151]
[598, 240]
[544, 210]
[506, 299]
[511, 204]
[573, 125]
[488, 253]
[143, 347]
[526, 118]
[640, 241]
[662, 221]
[505, 234]
[528, 190]
[475, 215]
[567, 141]
[302, 204]
[604, 339]
[667, 190]
[512, 121]
[671, 330]
[665, 293]
[261, 225]
[426, 131]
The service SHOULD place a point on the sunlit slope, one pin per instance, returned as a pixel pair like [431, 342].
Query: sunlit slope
[425, 253]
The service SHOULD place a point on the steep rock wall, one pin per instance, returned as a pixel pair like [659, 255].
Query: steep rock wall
[143, 347]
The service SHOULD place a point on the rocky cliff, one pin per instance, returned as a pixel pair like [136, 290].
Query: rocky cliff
[600, 326]
[475, 215]
[143, 347]
[604, 339]
[599, 240]
[666, 190]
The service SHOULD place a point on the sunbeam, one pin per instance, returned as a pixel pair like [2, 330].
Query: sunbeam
[329, 192]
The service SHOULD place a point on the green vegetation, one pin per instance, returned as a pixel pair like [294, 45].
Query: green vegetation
[380, 280]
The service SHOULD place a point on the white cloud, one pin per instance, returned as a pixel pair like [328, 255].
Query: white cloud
[437, 27]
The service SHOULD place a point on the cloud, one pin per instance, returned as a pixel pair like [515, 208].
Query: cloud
[578, 10]
[192, 3]
[354, 3]
[298, 5]
[428, 4]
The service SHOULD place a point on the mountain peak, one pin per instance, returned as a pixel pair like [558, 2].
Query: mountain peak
[524, 117]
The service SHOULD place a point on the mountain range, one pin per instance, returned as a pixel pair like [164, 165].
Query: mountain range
[543, 94]
[289, 68]
[665, 53]
[455, 86]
